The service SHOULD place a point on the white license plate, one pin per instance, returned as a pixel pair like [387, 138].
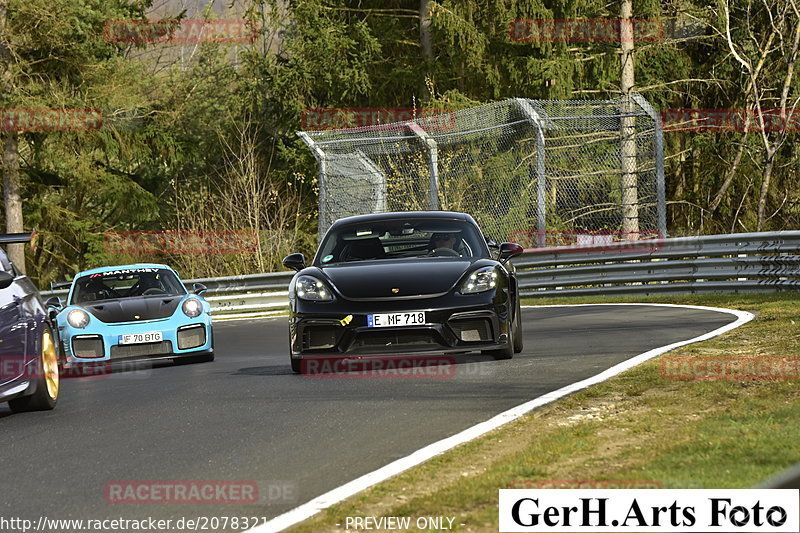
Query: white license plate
[396, 319]
[141, 338]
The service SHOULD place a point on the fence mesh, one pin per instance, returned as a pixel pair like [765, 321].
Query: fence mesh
[537, 172]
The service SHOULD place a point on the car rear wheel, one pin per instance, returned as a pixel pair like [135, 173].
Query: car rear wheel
[47, 379]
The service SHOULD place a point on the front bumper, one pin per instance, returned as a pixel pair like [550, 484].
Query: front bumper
[102, 342]
[452, 324]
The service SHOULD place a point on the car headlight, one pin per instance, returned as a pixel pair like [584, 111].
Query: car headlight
[310, 288]
[192, 307]
[78, 318]
[481, 280]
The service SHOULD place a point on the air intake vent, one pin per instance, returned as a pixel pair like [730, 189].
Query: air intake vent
[473, 330]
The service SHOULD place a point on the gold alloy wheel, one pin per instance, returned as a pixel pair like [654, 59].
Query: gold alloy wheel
[50, 364]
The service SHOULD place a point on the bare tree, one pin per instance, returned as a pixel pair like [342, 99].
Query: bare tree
[784, 32]
[630, 189]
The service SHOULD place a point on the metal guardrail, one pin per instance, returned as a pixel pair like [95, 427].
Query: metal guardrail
[740, 262]
[737, 263]
[236, 296]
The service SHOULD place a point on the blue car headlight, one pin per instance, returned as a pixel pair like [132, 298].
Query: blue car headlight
[78, 318]
[192, 307]
[310, 288]
[481, 280]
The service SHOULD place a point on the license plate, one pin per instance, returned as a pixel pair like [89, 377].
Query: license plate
[396, 319]
[141, 338]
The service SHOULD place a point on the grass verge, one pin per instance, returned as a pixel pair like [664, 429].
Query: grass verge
[636, 426]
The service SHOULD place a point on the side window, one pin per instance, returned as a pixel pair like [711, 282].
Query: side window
[5, 264]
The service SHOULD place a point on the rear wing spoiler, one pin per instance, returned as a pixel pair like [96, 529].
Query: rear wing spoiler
[15, 238]
[54, 285]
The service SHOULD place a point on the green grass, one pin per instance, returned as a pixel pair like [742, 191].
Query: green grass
[680, 434]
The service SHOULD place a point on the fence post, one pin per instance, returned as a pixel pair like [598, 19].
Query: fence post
[319, 155]
[541, 176]
[661, 194]
[433, 152]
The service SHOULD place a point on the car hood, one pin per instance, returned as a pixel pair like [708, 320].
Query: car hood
[133, 309]
[379, 279]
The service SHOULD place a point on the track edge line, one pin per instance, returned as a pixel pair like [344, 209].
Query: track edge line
[332, 497]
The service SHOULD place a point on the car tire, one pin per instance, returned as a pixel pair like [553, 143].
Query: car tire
[518, 330]
[297, 365]
[48, 380]
[504, 353]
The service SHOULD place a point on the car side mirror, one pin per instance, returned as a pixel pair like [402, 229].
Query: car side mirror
[295, 262]
[199, 288]
[55, 302]
[6, 279]
[509, 250]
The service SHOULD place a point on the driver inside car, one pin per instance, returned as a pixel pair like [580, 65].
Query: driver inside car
[444, 242]
[148, 285]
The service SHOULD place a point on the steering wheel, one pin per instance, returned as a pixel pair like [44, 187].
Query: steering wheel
[153, 290]
[441, 252]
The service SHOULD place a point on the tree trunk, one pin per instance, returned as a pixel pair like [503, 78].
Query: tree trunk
[731, 172]
[10, 158]
[762, 201]
[425, 29]
[426, 44]
[13, 200]
[630, 187]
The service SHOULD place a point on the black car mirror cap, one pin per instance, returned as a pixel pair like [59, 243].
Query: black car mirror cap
[55, 302]
[509, 250]
[6, 279]
[295, 262]
[198, 288]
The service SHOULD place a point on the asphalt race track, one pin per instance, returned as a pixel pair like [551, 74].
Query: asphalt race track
[247, 417]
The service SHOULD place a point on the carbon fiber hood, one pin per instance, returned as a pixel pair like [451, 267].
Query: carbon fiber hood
[134, 309]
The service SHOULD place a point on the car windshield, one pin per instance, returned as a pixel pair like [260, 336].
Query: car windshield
[403, 238]
[126, 283]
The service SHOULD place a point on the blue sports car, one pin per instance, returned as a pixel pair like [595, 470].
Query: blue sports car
[29, 379]
[130, 312]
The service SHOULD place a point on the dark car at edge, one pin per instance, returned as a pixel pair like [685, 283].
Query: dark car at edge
[29, 379]
[404, 283]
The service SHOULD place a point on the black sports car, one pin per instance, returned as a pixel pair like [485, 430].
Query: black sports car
[29, 379]
[398, 283]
